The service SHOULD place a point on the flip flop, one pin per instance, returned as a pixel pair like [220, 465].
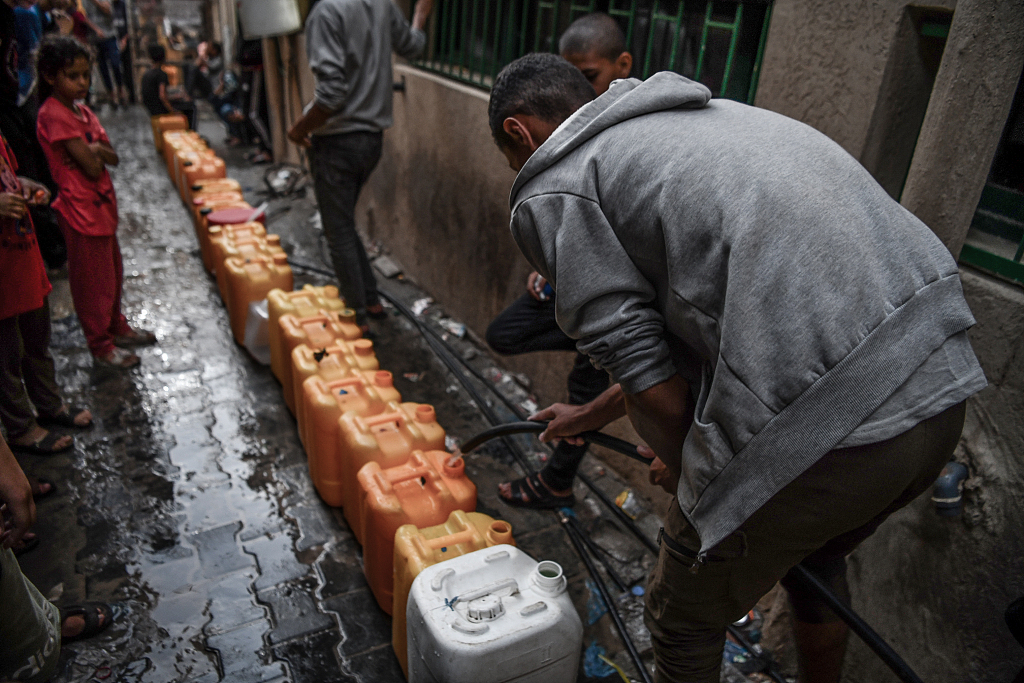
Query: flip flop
[65, 418]
[43, 446]
[530, 492]
[376, 312]
[26, 545]
[91, 613]
[134, 337]
[40, 481]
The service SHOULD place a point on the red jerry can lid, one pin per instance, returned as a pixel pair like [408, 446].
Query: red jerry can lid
[230, 216]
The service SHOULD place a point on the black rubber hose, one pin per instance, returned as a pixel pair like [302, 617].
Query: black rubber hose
[620, 625]
[534, 427]
[602, 555]
[857, 625]
[440, 348]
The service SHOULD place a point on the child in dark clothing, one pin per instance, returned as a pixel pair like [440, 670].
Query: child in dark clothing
[154, 90]
[596, 46]
[78, 151]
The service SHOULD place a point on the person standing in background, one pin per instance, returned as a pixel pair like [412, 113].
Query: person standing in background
[349, 43]
[79, 151]
[29, 31]
[120, 11]
[104, 41]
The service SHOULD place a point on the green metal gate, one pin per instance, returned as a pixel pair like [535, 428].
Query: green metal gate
[720, 44]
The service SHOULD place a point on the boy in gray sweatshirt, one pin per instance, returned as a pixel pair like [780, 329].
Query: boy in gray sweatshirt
[788, 340]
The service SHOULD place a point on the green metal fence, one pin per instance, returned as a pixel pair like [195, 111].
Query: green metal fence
[717, 43]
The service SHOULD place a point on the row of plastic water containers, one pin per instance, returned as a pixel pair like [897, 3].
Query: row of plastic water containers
[466, 604]
[235, 246]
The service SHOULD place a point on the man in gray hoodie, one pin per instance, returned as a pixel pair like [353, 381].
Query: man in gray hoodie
[788, 340]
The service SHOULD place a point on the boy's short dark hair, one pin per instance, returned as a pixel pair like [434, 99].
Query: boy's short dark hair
[538, 84]
[594, 33]
[217, 48]
[56, 53]
[157, 53]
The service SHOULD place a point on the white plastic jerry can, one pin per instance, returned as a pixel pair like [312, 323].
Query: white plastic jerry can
[492, 616]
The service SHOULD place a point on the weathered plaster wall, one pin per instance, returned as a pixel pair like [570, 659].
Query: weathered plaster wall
[439, 201]
[936, 588]
[824, 63]
[970, 101]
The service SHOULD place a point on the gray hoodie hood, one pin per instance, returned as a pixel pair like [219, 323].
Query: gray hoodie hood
[748, 253]
[662, 91]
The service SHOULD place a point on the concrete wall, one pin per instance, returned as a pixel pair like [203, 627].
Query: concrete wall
[439, 202]
[824, 63]
[936, 588]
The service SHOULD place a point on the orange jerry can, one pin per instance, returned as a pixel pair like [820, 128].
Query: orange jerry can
[244, 247]
[423, 492]
[176, 142]
[317, 332]
[211, 200]
[203, 221]
[417, 549]
[249, 280]
[340, 359]
[302, 303]
[364, 392]
[162, 122]
[218, 233]
[187, 159]
[179, 155]
[387, 439]
[212, 186]
[209, 168]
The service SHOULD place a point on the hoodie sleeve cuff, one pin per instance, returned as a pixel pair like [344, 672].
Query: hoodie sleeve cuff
[649, 376]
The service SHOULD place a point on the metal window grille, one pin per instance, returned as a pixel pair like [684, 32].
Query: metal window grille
[720, 44]
[995, 241]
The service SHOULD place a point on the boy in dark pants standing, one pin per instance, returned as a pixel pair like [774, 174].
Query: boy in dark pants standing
[596, 46]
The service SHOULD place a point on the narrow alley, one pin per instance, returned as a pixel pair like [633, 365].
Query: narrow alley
[190, 506]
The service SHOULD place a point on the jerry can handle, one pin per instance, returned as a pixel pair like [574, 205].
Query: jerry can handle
[454, 539]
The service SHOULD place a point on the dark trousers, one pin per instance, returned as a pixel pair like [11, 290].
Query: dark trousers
[188, 108]
[340, 165]
[26, 371]
[108, 57]
[819, 518]
[529, 325]
[126, 73]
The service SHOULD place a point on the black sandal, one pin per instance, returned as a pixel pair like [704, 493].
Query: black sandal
[376, 314]
[26, 545]
[39, 482]
[531, 492]
[65, 418]
[44, 446]
[90, 613]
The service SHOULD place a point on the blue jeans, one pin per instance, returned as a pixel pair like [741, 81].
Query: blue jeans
[109, 59]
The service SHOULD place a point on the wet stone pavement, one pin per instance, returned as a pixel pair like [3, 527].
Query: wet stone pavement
[189, 504]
